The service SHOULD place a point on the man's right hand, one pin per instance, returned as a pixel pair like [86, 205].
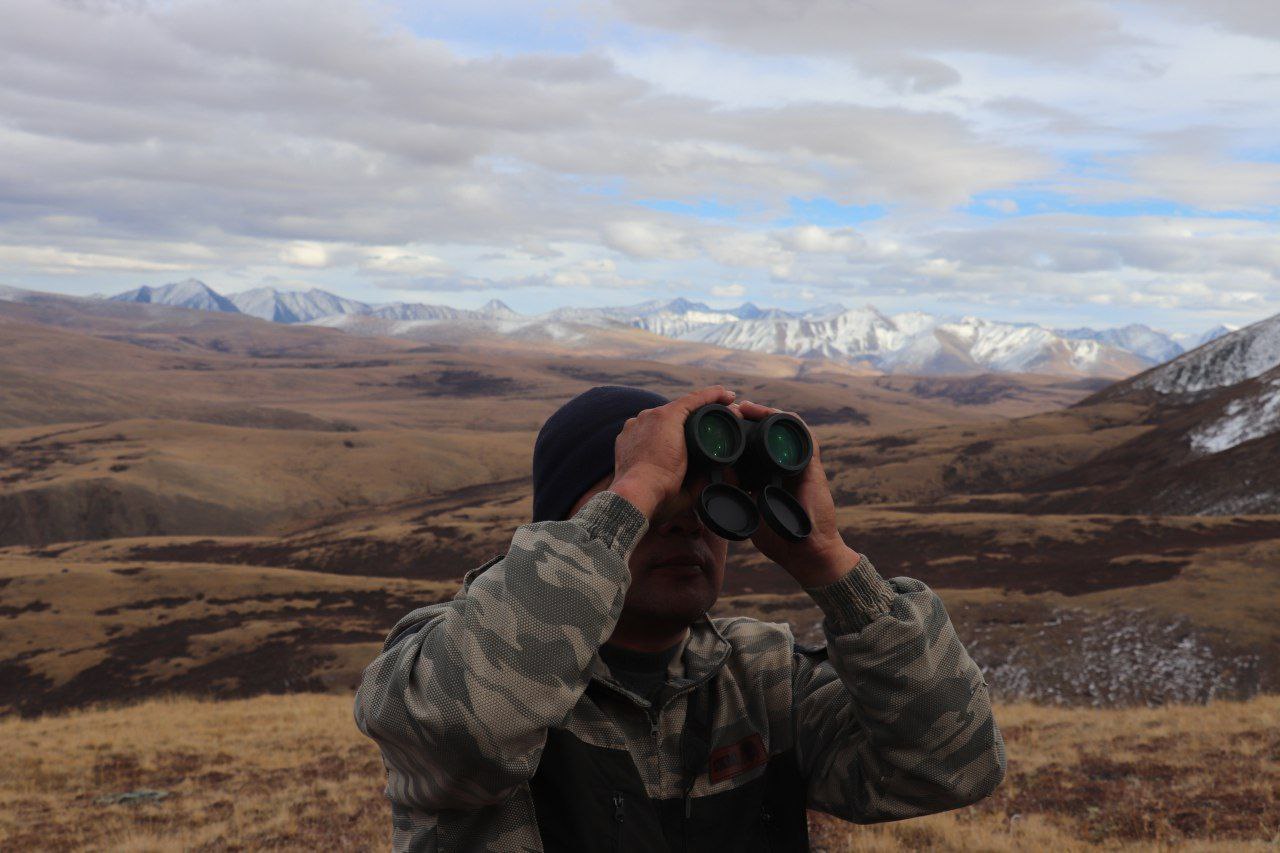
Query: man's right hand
[650, 457]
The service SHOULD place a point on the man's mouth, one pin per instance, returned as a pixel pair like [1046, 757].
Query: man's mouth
[680, 570]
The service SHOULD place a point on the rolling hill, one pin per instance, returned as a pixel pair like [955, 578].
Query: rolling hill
[179, 488]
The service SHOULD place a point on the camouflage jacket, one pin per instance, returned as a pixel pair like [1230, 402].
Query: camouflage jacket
[501, 728]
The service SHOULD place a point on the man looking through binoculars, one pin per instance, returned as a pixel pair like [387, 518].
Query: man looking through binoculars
[664, 599]
[575, 695]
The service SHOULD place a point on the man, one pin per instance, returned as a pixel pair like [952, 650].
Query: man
[575, 695]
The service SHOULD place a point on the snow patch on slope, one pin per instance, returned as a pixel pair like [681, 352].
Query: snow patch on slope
[1243, 420]
[1231, 359]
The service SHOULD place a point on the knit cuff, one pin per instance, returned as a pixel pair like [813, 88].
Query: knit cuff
[854, 601]
[614, 520]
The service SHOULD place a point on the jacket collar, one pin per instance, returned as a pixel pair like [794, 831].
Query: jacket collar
[702, 654]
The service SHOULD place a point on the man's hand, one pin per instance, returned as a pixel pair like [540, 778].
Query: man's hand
[822, 557]
[650, 457]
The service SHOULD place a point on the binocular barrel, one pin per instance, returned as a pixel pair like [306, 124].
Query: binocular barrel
[762, 453]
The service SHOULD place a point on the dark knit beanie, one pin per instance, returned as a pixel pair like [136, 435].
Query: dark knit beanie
[574, 448]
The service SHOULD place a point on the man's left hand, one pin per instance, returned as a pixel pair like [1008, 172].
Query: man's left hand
[822, 557]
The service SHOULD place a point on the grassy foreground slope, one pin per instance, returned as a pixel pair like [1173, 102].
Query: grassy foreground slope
[1175, 611]
[293, 772]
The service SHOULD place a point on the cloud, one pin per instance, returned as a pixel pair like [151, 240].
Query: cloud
[1259, 18]
[305, 254]
[284, 137]
[815, 238]
[910, 74]
[647, 240]
[396, 260]
[54, 261]
[246, 139]
[1069, 29]
[1208, 180]
[593, 273]
[449, 283]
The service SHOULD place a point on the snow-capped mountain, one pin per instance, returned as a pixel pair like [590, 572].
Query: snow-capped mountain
[908, 342]
[911, 342]
[414, 311]
[16, 294]
[1213, 334]
[1212, 436]
[1136, 338]
[858, 334]
[496, 309]
[191, 293]
[294, 306]
[1224, 361]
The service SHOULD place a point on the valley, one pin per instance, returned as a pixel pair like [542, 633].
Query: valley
[212, 506]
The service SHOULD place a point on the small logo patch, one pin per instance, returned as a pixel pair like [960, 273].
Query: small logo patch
[728, 761]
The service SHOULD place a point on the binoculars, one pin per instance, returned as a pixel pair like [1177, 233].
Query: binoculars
[762, 453]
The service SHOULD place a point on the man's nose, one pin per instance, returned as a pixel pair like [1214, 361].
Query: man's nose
[680, 516]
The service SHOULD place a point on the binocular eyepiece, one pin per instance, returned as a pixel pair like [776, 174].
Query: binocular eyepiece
[762, 453]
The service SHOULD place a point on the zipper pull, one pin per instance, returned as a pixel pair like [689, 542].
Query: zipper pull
[688, 802]
[617, 806]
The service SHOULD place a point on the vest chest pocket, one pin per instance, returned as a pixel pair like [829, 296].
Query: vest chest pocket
[636, 825]
[766, 813]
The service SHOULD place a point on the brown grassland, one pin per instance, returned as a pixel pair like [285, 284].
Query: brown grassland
[208, 523]
[293, 772]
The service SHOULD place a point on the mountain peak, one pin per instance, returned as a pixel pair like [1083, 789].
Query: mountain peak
[1216, 332]
[680, 305]
[188, 293]
[1224, 361]
[496, 309]
[294, 306]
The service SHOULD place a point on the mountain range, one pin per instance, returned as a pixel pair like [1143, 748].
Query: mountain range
[906, 343]
[1212, 441]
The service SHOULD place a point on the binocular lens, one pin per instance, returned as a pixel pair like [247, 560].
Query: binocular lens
[784, 443]
[717, 436]
[761, 453]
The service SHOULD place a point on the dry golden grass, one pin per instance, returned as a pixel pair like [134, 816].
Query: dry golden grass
[203, 478]
[1153, 778]
[280, 771]
[293, 772]
[72, 633]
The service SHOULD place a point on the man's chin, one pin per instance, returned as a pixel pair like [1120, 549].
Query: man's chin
[673, 602]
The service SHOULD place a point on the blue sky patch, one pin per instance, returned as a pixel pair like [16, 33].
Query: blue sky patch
[829, 213]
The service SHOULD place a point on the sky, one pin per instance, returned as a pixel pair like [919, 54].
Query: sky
[1075, 162]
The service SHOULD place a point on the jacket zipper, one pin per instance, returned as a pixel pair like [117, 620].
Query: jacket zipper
[653, 732]
[618, 816]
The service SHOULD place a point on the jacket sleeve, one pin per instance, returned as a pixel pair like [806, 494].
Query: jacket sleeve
[460, 698]
[894, 721]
